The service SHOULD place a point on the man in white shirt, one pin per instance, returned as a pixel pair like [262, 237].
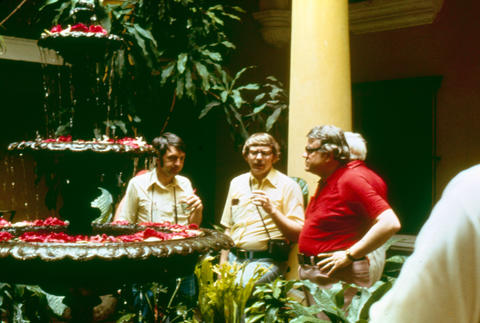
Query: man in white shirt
[440, 282]
[162, 194]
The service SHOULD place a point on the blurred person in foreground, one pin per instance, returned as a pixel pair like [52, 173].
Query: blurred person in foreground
[440, 281]
[263, 205]
[347, 218]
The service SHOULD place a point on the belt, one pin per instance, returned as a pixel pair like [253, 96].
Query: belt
[313, 260]
[250, 254]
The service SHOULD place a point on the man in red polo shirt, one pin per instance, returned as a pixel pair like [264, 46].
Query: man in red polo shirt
[347, 218]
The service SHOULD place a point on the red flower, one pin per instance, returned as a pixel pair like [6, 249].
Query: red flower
[56, 29]
[5, 236]
[120, 222]
[97, 29]
[79, 27]
[65, 138]
[4, 223]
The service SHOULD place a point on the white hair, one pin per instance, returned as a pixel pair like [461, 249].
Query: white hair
[357, 144]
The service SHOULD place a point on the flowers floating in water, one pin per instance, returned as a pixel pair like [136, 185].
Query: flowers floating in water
[127, 141]
[5, 236]
[50, 221]
[176, 231]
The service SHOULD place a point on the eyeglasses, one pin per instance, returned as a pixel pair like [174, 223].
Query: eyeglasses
[310, 150]
[263, 153]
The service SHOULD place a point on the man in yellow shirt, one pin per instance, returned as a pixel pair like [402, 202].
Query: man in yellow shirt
[262, 204]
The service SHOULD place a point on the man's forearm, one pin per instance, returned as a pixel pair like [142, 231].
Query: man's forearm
[290, 229]
[196, 217]
[386, 225]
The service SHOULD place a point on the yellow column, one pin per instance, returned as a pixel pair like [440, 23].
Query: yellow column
[320, 86]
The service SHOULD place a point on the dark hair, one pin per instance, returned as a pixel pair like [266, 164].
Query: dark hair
[166, 139]
[332, 139]
[261, 139]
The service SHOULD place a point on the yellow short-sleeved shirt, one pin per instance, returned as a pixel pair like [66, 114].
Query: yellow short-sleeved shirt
[242, 218]
[148, 200]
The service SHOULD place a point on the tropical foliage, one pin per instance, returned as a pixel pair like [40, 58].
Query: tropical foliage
[222, 298]
[28, 303]
[175, 51]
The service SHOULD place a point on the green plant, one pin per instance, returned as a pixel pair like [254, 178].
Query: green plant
[250, 107]
[271, 302]
[148, 297]
[330, 301]
[26, 303]
[222, 298]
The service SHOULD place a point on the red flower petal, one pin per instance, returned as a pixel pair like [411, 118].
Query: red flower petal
[79, 27]
[56, 29]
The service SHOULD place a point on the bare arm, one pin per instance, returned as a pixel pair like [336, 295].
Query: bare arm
[386, 225]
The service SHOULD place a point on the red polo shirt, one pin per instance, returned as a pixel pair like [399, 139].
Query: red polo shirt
[343, 210]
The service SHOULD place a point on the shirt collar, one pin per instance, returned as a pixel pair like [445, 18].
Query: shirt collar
[270, 178]
[355, 163]
[153, 180]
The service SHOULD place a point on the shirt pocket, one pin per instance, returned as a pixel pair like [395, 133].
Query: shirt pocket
[144, 207]
[238, 209]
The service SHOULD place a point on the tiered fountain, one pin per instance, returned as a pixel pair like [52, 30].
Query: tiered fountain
[75, 169]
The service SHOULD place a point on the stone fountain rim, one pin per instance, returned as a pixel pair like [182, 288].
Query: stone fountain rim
[211, 241]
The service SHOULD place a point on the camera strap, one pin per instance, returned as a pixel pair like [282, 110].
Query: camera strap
[258, 210]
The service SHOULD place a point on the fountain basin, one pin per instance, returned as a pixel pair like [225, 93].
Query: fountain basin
[104, 266]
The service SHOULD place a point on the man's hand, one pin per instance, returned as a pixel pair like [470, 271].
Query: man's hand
[333, 261]
[195, 206]
[260, 198]
[194, 203]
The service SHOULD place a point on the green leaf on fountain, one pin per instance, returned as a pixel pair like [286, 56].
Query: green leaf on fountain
[105, 204]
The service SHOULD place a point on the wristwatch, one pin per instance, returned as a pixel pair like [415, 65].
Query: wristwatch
[349, 255]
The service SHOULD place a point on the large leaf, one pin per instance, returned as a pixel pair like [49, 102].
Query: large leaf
[251, 86]
[360, 306]
[167, 71]
[272, 119]
[203, 73]
[212, 55]
[56, 304]
[145, 33]
[238, 75]
[208, 107]
[182, 62]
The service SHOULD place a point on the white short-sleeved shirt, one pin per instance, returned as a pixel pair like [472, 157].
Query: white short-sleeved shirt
[440, 282]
